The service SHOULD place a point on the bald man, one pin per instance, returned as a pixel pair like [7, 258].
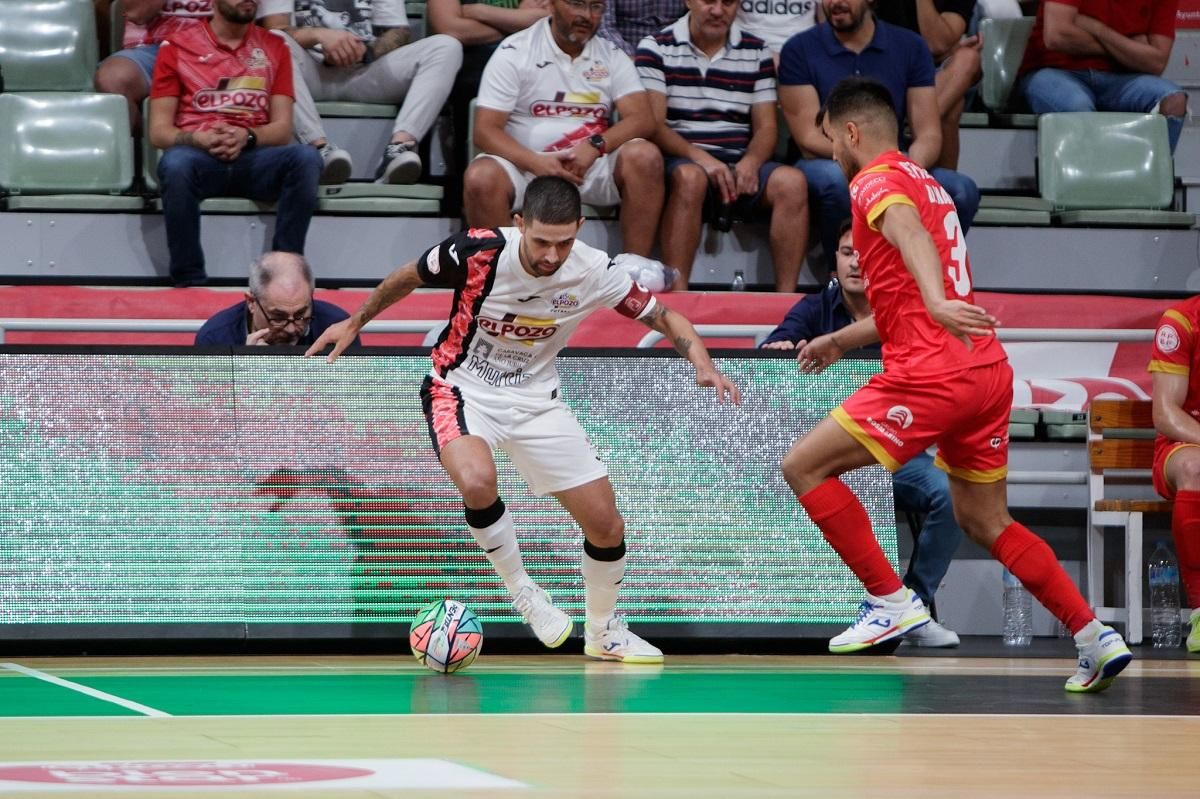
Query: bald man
[278, 308]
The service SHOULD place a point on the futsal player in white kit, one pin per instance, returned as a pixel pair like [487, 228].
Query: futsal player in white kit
[519, 293]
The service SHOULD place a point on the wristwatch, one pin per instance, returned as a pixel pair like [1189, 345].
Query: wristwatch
[597, 141]
[251, 140]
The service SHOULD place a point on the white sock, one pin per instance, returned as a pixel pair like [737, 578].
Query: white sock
[498, 541]
[601, 581]
[1089, 632]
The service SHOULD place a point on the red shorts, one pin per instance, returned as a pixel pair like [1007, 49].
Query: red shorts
[965, 414]
[1164, 448]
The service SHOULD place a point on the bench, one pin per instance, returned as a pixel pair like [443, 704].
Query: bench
[1120, 452]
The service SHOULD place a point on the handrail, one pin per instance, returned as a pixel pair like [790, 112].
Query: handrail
[432, 328]
[1013, 334]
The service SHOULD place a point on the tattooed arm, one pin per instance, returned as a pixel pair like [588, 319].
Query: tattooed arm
[688, 344]
[396, 286]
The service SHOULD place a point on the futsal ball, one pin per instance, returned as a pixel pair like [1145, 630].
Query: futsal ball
[445, 636]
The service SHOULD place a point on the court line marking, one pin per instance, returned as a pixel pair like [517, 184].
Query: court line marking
[83, 689]
[1081, 716]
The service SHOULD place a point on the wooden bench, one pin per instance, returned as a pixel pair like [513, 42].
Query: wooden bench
[1120, 451]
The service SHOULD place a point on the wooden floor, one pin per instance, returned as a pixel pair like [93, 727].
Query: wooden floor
[560, 726]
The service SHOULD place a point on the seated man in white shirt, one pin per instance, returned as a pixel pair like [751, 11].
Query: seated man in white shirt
[359, 51]
[546, 107]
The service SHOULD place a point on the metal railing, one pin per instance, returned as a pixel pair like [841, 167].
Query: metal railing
[432, 328]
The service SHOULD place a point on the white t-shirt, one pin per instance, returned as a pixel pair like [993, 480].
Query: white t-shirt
[776, 21]
[553, 100]
[175, 15]
[356, 16]
[506, 326]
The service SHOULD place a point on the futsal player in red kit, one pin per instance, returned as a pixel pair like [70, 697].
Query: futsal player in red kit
[945, 381]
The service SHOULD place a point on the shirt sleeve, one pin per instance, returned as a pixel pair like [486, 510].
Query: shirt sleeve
[1162, 18]
[875, 191]
[964, 8]
[281, 57]
[920, 63]
[500, 85]
[1174, 342]
[793, 65]
[625, 79]
[268, 8]
[801, 323]
[389, 14]
[619, 291]
[165, 82]
[448, 264]
[764, 82]
[650, 65]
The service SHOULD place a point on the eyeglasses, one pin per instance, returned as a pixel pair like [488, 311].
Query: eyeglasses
[579, 6]
[280, 321]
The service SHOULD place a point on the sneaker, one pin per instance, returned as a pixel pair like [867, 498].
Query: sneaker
[1193, 639]
[616, 642]
[337, 164]
[932, 635]
[401, 164]
[1100, 662]
[549, 624]
[879, 620]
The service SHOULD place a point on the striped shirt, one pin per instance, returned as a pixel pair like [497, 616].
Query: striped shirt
[708, 101]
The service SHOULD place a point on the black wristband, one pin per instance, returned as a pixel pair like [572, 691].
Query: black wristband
[251, 140]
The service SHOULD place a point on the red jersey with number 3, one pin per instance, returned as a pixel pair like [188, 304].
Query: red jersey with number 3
[913, 343]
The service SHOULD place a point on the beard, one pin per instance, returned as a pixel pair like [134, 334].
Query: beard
[854, 23]
[230, 11]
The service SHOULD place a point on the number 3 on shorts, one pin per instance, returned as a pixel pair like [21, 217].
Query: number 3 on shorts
[957, 268]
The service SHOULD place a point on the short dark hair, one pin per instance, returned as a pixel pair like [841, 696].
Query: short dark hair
[552, 201]
[857, 95]
[847, 223]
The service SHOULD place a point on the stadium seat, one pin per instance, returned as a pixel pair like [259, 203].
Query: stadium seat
[66, 151]
[1004, 42]
[1123, 177]
[48, 45]
[1013, 211]
[589, 211]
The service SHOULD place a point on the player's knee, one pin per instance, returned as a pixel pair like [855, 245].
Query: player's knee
[641, 161]
[609, 534]
[689, 181]
[478, 484]
[1174, 106]
[799, 474]
[486, 179]
[1187, 472]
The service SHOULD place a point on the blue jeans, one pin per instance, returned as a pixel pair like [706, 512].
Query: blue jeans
[921, 487]
[829, 195]
[188, 175]
[1048, 90]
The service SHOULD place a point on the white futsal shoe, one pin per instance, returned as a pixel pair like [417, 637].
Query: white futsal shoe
[614, 641]
[879, 620]
[932, 635]
[549, 624]
[1100, 662]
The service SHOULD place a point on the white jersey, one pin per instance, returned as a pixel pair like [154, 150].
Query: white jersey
[506, 326]
[553, 100]
[776, 21]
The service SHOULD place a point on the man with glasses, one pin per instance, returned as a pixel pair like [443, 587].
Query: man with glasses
[278, 308]
[919, 487]
[547, 106]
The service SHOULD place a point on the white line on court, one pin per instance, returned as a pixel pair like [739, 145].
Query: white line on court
[1083, 716]
[83, 689]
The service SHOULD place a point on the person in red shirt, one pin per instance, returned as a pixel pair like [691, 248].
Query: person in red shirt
[945, 381]
[1102, 55]
[221, 109]
[1175, 370]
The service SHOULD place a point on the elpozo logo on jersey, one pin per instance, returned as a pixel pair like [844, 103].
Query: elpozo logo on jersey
[525, 329]
[564, 302]
[584, 105]
[188, 8]
[246, 94]
[598, 71]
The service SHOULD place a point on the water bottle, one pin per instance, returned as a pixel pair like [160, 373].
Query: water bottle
[1164, 598]
[654, 275]
[739, 281]
[1018, 612]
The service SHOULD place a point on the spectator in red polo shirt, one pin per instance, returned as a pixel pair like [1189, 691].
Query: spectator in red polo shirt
[1099, 55]
[221, 108]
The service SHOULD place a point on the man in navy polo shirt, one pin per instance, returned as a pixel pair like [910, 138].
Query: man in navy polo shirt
[852, 42]
[278, 308]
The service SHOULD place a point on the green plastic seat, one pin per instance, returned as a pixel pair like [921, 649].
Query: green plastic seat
[1004, 42]
[48, 45]
[337, 108]
[1108, 168]
[373, 199]
[60, 145]
[1012, 211]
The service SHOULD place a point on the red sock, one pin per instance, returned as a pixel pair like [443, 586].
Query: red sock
[845, 524]
[1185, 526]
[1033, 562]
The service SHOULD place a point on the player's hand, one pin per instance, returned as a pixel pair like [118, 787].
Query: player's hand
[713, 378]
[557, 164]
[340, 335]
[781, 345]
[259, 338]
[745, 176]
[583, 155]
[228, 141]
[814, 356]
[720, 177]
[963, 319]
[341, 48]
